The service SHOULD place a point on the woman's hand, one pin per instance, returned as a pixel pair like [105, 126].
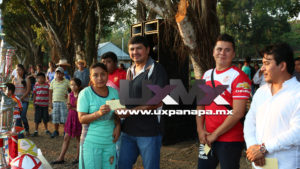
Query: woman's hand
[103, 110]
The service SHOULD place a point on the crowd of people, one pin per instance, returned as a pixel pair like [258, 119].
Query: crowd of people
[106, 139]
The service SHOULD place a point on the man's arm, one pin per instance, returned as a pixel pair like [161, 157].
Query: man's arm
[289, 138]
[250, 125]
[202, 133]
[253, 149]
[239, 107]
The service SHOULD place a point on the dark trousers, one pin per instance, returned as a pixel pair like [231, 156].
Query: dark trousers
[227, 153]
[24, 117]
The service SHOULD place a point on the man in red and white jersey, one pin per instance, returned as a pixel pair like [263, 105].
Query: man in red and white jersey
[223, 132]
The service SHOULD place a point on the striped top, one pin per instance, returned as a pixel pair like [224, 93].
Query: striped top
[60, 90]
[20, 89]
[41, 92]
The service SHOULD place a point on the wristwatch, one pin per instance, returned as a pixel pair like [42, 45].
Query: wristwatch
[263, 149]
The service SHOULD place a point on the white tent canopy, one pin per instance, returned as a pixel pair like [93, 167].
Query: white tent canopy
[110, 47]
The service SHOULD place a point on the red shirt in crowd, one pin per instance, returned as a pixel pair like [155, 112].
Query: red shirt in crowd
[115, 77]
[239, 87]
[41, 92]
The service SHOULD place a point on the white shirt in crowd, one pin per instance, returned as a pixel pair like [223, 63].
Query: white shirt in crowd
[259, 80]
[275, 121]
[14, 73]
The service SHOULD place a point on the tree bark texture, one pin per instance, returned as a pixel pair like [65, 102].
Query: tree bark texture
[198, 30]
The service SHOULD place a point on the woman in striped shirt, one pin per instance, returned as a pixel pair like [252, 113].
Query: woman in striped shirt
[22, 91]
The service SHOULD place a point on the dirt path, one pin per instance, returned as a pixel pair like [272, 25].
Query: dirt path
[179, 156]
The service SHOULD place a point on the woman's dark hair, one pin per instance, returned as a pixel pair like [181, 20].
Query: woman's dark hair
[78, 83]
[101, 65]
[24, 75]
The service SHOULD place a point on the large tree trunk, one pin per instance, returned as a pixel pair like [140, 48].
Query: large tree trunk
[140, 12]
[35, 55]
[198, 29]
[91, 46]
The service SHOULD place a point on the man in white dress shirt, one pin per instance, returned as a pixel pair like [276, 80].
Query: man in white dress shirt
[272, 125]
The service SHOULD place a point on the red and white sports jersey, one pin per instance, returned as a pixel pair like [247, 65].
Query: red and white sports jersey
[239, 87]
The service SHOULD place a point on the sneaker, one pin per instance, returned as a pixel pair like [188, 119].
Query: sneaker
[54, 134]
[58, 162]
[48, 132]
[34, 134]
[75, 162]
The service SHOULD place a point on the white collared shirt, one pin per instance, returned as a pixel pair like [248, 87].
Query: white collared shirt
[275, 121]
[259, 80]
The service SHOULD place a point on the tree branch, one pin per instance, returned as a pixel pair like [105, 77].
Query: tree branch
[160, 10]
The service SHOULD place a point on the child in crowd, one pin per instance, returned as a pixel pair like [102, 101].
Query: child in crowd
[9, 91]
[101, 128]
[58, 98]
[51, 72]
[72, 126]
[41, 103]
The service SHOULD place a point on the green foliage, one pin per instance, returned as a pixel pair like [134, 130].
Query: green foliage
[116, 36]
[18, 30]
[256, 23]
[293, 37]
[121, 25]
[60, 25]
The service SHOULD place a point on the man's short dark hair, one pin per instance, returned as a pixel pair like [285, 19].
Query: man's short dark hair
[297, 59]
[139, 39]
[11, 87]
[227, 38]
[282, 52]
[248, 60]
[41, 74]
[111, 55]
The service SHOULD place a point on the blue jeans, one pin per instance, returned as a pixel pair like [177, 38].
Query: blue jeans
[147, 147]
[118, 146]
[23, 117]
[227, 153]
